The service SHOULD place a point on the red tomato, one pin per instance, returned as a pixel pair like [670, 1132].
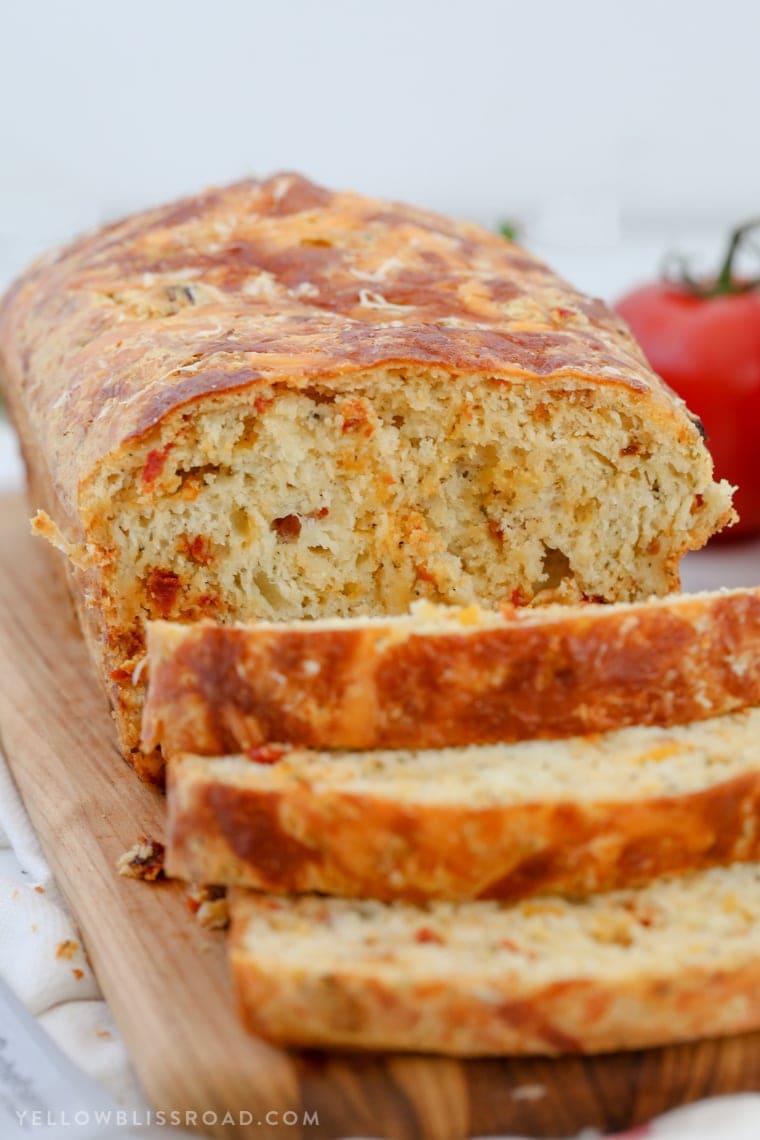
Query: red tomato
[707, 348]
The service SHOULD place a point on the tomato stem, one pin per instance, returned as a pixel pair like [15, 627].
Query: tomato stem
[725, 283]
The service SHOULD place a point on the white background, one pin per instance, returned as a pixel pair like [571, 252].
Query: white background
[596, 121]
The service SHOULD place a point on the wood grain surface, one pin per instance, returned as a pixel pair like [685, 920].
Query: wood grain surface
[166, 978]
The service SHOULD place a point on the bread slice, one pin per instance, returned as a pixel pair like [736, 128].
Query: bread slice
[671, 962]
[451, 676]
[503, 821]
[276, 401]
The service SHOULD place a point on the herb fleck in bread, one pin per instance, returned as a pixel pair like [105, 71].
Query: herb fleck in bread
[675, 961]
[450, 676]
[275, 401]
[504, 821]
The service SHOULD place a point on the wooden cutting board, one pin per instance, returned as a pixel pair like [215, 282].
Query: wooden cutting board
[166, 978]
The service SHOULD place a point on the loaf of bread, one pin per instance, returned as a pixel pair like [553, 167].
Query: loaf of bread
[446, 676]
[276, 401]
[502, 821]
[674, 961]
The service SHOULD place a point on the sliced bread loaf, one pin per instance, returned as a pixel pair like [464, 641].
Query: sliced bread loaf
[674, 961]
[273, 400]
[448, 676]
[501, 821]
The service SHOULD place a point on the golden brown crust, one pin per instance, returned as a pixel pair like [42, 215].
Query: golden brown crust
[217, 690]
[456, 1013]
[299, 838]
[438, 1017]
[277, 282]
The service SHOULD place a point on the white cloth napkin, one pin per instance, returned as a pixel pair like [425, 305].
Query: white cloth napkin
[43, 961]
